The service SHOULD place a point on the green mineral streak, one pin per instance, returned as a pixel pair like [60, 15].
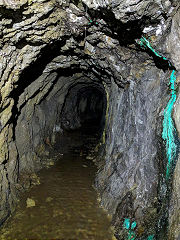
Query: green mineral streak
[133, 225]
[144, 43]
[130, 227]
[127, 223]
[131, 235]
[168, 127]
[167, 134]
[151, 237]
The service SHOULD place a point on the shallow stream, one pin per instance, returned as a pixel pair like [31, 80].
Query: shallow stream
[64, 205]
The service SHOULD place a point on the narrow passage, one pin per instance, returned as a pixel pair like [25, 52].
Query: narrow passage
[64, 205]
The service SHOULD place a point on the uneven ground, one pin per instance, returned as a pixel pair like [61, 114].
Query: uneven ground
[66, 206]
[66, 61]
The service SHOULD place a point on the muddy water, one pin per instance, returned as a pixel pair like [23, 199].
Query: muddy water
[64, 206]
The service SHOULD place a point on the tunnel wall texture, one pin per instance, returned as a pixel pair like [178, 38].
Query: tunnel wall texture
[49, 46]
[132, 147]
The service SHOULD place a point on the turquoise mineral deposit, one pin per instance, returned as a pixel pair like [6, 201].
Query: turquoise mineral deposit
[168, 124]
[169, 128]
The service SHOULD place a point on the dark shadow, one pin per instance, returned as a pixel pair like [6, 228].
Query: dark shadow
[125, 33]
[159, 62]
[85, 104]
[82, 118]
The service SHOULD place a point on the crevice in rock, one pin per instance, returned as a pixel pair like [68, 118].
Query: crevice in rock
[16, 15]
[125, 33]
[159, 62]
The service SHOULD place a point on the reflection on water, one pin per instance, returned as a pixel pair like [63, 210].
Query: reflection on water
[64, 206]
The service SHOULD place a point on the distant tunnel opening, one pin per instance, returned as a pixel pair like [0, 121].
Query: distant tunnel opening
[85, 104]
[82, 117]
[62, 112]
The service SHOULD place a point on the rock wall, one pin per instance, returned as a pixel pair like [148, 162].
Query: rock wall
[48, 47]
[172, 47]
[129, 180]
[129, 10]
[45, 107]
[174, 210]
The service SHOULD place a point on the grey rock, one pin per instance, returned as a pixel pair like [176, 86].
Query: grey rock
[51, 48]
[173, 41]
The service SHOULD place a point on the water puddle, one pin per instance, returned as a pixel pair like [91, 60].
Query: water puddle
[64, 206]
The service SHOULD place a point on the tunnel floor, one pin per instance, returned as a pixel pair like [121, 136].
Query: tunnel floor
[66, 205]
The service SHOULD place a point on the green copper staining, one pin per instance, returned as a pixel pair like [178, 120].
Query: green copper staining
[169, 128]
[168, 124]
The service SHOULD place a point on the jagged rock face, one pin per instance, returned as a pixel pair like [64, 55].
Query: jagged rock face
[172, 42]
[174, 211]
[51, 47]
[129, 10]
[131, 153]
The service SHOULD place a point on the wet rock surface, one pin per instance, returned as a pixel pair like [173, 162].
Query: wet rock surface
[174, 211]
[51, 51]
[64, 205]
[172, 42]
[130, 10]
[132, 150]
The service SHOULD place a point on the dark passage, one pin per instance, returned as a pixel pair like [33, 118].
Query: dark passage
[84, 104]
[63, 203]
[83, 119]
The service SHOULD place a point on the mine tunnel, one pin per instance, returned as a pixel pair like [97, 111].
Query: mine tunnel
[84, 104]
[82, 114]
[89, 120]
[74, 104]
